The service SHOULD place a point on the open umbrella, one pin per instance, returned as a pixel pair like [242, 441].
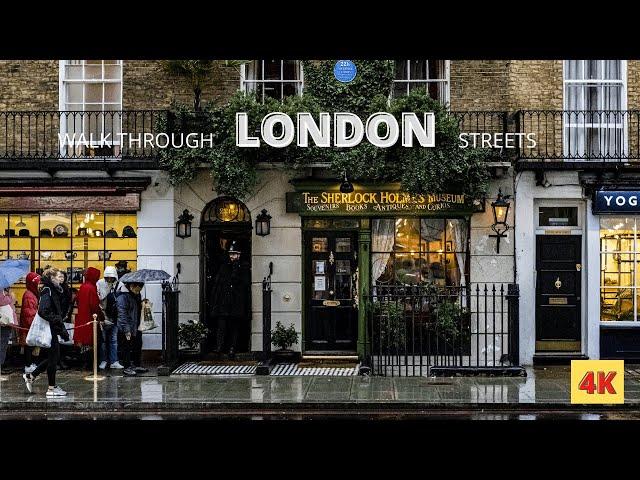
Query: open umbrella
[145, 275]
[12, 270]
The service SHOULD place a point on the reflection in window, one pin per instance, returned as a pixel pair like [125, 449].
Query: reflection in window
[411, 251]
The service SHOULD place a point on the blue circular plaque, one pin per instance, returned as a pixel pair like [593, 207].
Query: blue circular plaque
[345, 71]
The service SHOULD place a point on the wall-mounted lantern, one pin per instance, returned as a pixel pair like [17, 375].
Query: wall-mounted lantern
[183, 225]
[346, 186]
[263, 223]
[500, 211]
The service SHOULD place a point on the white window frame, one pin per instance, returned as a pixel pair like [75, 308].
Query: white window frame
[447, 80]
[62, 94]
[568, 124]
[244, 82]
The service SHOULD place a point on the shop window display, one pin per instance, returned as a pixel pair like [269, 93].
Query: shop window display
[413, 251]
[619, 256]
[70, 241]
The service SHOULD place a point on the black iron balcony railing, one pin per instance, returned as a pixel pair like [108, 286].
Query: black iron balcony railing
[87, 135]
[487, 123]
[579, 136]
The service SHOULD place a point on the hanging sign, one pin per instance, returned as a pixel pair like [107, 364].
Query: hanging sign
[377, 203]
[616, 201]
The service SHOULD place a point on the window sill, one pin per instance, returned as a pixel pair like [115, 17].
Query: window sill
[619, 324]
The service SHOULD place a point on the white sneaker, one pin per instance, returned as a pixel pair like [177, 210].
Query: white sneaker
[30, 368]
[102, 365]
[116, 365]
[28, 381]
[56, 392]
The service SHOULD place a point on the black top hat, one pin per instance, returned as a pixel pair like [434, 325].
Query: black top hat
[111, 233]
[10, 232]
[128, 232]
[45, 232]
[23, 232]
[233, 248]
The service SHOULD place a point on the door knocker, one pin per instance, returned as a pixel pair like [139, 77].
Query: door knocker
[558, 283]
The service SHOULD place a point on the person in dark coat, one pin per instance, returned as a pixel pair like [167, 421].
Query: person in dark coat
[51, 310]
[229, 299]
[129, 302]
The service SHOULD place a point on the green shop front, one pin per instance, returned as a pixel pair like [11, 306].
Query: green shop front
[374, 239]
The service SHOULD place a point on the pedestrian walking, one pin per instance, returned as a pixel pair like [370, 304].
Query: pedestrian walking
[109, 328]
[27, 313]
[88, 305]
[129, 303]
[6, 298]
[50, 309]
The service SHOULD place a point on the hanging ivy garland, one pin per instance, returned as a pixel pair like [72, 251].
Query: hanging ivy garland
[445, 167]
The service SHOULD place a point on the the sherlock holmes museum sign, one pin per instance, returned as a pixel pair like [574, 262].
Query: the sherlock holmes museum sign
[377, 203]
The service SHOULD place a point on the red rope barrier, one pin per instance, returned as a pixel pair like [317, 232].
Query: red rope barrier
[72, 328]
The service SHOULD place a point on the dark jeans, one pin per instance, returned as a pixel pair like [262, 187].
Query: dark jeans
[5, 335]
[50, 363]
[131, 350]
[227, 329]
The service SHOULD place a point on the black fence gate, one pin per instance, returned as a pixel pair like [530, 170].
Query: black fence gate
[430, 330]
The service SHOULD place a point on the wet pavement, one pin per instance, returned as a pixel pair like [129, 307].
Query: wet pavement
[543, 393]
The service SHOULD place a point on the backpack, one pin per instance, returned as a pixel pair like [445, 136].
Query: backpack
[111, 309]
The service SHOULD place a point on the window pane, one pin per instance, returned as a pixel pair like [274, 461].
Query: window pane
[418, 69]
[432, 233]
[272, 69]
[437, 69]
[273, 90]
[319, 244]
[93, 72]
[617, 269]
[112, 72]
[407, 235]
[112, 92]
[290, 69]
[343, 244]
[93, 93]
[73, 72]
[407, 268]
[290, 89]
[73, 93]
[401, 70]
[253, 70]
[558, 216]
[382, 268]
[382, 234]
[616, 234]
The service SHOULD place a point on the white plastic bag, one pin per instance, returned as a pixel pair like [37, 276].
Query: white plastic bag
[6, 316]
[146, 316]
[39, 333]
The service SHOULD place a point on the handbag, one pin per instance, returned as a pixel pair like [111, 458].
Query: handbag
[146, 316]
[6, 316]
[39, 333]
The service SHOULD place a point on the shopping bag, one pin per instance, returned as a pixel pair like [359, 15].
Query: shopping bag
[6, 316]
[39, 333]
[146, 316]
[69, 327]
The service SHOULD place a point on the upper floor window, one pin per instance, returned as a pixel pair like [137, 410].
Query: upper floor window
[594, 97]
[429, 75]
[272, 78]
[91, 102]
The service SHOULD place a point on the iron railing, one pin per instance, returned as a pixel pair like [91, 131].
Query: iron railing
[579, 135]
[413, 329]
[49, 135]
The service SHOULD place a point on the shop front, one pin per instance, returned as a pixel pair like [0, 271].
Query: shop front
[361, 244]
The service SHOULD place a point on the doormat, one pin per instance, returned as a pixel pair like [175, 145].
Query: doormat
[197, 369]
[292, 369]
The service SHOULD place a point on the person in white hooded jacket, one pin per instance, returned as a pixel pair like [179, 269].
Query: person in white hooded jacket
[109, 329]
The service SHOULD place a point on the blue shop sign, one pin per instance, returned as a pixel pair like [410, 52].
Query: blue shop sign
[617, 201]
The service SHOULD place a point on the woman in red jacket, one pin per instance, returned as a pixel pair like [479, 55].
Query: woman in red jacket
[88, 304]
[27, 314]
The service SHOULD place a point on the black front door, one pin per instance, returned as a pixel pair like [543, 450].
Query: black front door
[558, 286]
[215, 244]
[331, 316]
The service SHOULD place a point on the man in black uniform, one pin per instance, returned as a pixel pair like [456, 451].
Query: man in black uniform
[229, 299]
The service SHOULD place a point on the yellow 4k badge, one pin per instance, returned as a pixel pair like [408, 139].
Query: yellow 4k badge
[597, 381]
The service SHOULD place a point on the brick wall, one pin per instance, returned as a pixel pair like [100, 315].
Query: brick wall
[479, 84]
[28, 85]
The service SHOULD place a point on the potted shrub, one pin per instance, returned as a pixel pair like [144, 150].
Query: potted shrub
[190, 336]
[391, 326]
[450, 328]
[283, 338]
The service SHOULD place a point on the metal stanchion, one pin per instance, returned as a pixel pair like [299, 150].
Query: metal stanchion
[95, 376]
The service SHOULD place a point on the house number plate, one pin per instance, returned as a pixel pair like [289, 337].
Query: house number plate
[331, 303]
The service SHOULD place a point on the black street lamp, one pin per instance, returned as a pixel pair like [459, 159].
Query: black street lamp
[183, 225]
[500, 211]
[263, 223]
[346, 186]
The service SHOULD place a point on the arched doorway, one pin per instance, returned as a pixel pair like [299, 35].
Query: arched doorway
[224, 220]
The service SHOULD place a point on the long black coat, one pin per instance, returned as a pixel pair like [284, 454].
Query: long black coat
[50, 307]
[229, 292]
